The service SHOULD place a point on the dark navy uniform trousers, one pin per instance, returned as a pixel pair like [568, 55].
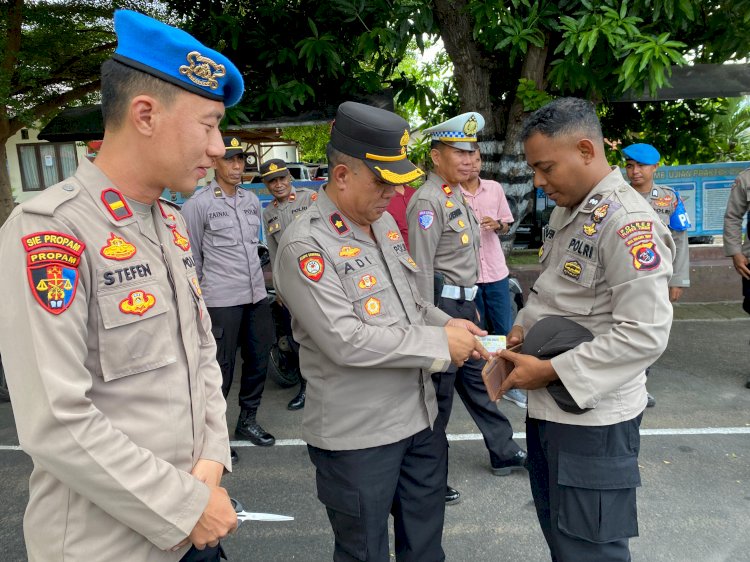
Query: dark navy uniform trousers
[250, 326]
[583, 480]
[468, 383]
[361, 487]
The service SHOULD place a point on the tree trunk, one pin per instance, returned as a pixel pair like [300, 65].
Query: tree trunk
[513, 172]
[6, 194]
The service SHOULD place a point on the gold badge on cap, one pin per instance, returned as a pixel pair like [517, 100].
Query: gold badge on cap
[202, 70]
[272, 167]
[471, 126]
[235, 143]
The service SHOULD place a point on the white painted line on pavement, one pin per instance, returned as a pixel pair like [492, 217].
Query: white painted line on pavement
[518, 435]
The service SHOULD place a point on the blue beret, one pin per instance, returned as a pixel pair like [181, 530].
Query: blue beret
[175, 56]
[642, 153]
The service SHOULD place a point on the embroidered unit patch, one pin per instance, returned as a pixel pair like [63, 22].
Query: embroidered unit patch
[312, 265]
[372, 306]
[349, 251]
[393, 235]
[137, 302]
[367, 281]
[117, 248]
[645, 256]
[426, 218]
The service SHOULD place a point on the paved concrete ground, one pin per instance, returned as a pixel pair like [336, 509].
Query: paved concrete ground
[694, 504]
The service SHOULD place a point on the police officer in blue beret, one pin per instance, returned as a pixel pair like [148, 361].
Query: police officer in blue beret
[641, 161]
[106, 339]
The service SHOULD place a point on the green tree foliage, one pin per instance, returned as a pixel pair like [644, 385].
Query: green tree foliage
[312, 140]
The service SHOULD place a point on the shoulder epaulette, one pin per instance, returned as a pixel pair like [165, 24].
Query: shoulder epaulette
[47, 202]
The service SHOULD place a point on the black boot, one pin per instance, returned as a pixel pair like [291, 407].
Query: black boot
[298, 402]
[249, 429]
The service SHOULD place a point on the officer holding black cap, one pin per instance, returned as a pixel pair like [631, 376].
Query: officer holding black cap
[288, 203]
[224, 224]
[105, 336]
[368, 344]
[606, 263]
[738, 205]
[444, 235]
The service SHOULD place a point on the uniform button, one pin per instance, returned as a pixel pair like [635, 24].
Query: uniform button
[68, 187]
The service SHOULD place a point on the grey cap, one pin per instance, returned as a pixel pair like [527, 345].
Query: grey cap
[549, 338]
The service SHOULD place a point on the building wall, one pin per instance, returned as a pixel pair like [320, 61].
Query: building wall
[14, 168]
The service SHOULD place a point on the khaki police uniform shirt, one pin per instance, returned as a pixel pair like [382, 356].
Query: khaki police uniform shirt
[278, 215]
[606, 265]
[663, 201]
[108, 353]
[225, 232]
[443, 236]
[738, 206]
[368, 342]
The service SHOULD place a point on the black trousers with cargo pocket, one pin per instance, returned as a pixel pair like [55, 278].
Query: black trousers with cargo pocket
[361, 487]
[583, 479]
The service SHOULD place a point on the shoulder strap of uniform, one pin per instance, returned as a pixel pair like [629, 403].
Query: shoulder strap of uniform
[46, 203]
[172, 204]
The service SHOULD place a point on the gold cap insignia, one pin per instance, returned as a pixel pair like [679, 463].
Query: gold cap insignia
[202, 70]
[272, 167]
[235, 143]
[404, 138]
[471, 126]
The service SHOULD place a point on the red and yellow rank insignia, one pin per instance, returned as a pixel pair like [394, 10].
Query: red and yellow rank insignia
[349, 251]
[447, 189]
[138, 302]
[393, 235]
[52, 268]
[367, 281]
[116, 204]
[312, 265]
[179, 240]
[338, 223]
[645, 256]
[372, 306]
[314, 196]
[117, 248]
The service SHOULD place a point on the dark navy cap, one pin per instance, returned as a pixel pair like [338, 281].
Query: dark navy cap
[175, 56]
[233, 147]
[274, 168]
[642, 153]
[378, 138]
[549, 338]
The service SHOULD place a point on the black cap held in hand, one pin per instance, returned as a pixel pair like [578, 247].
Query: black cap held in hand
[549, 338]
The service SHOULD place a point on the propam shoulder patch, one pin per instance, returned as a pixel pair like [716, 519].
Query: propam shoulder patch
[51, 198]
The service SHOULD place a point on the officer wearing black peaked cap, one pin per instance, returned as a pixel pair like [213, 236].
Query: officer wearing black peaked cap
[368, 344]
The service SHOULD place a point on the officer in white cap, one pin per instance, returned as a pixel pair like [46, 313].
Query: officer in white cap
[105, 337]
[444, 237]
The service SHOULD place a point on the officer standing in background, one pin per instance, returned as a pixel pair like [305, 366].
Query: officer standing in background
[368, 344]
[104, 335]
[288, 202]
[606, 265]
[738, 206]
[224, 225]
[642, 160]
[444, 236]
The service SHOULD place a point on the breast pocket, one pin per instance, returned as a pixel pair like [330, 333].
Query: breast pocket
[253, 223]
[579, 293]
[370, 293]
[221, 232]
[134, 333]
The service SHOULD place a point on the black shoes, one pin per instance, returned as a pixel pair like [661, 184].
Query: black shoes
[248, 428]
[452, 496]
[298, 402]
[235, 456]
[747, 384]
[516, 462]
